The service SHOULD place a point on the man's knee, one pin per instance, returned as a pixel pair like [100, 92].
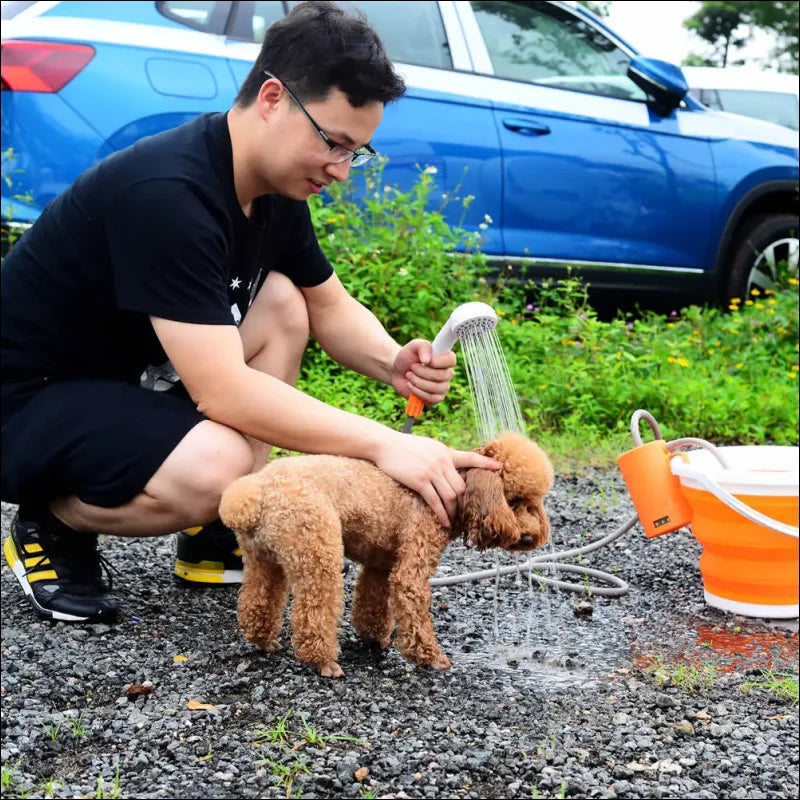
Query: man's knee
[283, 306]
[196, 473]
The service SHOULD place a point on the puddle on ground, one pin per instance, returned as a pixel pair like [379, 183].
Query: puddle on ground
[733, 647]
[539, 637]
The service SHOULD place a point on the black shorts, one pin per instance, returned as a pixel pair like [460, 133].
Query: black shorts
[99, 439]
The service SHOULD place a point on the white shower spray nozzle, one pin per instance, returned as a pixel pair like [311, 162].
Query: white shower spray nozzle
[468, 318]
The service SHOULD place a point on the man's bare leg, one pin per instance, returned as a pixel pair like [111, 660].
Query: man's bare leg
[186, 489]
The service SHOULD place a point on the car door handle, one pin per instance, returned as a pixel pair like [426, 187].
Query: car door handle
[526, 127]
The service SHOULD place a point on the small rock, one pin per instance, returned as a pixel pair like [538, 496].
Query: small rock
[583, 609]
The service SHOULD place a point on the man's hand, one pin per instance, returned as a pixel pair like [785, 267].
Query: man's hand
[416, 370]
[430, 469]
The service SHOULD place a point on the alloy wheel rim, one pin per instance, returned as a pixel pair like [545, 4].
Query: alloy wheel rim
[768, 271]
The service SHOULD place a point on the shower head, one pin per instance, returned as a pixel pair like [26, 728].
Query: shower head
[466, 320]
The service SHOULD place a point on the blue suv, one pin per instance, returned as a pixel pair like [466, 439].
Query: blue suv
[579, 152]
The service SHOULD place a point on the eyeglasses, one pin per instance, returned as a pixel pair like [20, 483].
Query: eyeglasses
[337, 153]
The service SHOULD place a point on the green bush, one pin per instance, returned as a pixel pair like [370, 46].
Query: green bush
[723, 375]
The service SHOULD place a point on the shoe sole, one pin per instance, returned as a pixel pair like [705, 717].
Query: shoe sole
[206, 572]
[13, 560]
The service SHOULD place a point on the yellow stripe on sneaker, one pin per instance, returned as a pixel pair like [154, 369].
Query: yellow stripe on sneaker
[10, 552]
[193, 531]
[44, 575]
[38, 561]
[202, 572]
[33, 548]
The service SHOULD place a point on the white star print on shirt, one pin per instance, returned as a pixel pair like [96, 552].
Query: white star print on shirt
[235, 283]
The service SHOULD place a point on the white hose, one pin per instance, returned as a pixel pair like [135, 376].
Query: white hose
[548, 560]
[742, 508]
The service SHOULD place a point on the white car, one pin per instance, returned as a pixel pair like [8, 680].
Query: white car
[771, 96]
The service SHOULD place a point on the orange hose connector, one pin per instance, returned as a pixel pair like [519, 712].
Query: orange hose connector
[414, 406]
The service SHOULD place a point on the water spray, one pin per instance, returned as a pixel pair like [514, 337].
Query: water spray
[494, 401]
[496, 410]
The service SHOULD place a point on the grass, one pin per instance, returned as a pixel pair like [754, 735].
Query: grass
[111, 794]
[78, 728]
[52, 731]
[278, 735]
[782, 685]
[689, 677]
[286, 773]
[281, 736]
[11, 782]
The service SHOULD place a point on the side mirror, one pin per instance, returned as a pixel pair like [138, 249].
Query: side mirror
[663, 81]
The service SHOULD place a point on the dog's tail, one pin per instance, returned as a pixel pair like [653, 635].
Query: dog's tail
[240, 506]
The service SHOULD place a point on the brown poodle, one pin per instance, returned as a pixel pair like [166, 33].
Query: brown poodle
[300, 516]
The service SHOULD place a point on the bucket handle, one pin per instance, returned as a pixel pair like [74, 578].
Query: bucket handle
[737, 505]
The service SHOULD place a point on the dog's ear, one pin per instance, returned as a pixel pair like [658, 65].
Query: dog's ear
[544, 523]
[484, 518]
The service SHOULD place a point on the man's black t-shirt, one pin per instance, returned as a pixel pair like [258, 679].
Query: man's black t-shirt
[155, 229]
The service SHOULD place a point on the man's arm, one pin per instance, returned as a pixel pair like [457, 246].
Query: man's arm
[348, 332]
[210, 361]
[353, 337]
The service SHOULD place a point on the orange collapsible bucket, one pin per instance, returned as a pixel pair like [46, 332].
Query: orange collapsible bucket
[745, 516]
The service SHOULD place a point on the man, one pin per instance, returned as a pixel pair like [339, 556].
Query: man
[153, 256]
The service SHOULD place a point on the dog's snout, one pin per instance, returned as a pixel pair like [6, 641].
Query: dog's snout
[526, 540]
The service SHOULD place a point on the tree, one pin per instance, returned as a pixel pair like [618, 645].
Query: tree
[729, 25]
[717, 23]
[782, 19]
[599, 7]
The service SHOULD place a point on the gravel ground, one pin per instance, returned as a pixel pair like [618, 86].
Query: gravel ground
[550, 695]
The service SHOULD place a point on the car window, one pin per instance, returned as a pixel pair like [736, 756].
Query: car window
[11, 8]
[778, 107]
[251, 20]
[413, 33]
[204, 16]
[542, 43]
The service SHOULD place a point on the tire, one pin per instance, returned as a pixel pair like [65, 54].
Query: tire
[764, 258]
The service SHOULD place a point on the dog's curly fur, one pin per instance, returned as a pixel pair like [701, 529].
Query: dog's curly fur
[298, 518]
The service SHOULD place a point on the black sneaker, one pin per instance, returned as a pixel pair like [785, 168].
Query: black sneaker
[209, 554]
[59, 569]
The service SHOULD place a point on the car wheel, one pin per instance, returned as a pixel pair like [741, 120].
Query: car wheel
[765, 258]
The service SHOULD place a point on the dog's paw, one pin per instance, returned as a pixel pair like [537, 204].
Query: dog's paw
[441, 662]
[268, 645]
[330, 669]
